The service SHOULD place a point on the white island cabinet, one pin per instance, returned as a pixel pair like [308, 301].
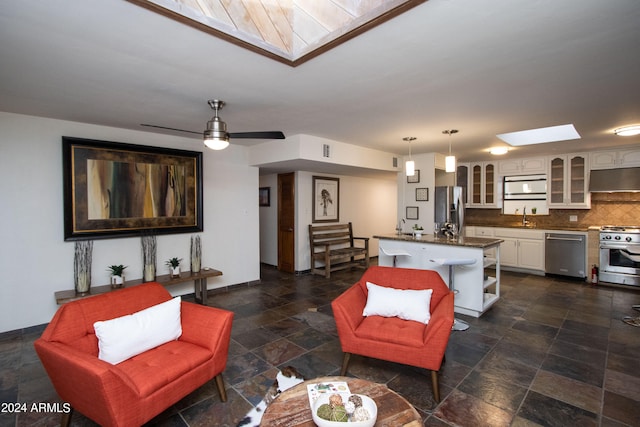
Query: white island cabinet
[477, 290]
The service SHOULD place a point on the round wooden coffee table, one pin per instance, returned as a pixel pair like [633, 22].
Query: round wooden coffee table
[291, 408]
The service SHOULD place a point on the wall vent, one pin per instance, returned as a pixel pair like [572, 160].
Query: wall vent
[395, 162]
[326, 150]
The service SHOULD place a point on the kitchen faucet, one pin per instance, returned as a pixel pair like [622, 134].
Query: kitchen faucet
[524, 216]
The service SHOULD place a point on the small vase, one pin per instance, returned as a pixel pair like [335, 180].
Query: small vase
[149, 274]
[175, 271]
[117, 281]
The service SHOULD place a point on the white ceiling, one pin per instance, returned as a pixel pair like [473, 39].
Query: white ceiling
[484, 67]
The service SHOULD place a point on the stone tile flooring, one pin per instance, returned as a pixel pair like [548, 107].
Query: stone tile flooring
[552, 352]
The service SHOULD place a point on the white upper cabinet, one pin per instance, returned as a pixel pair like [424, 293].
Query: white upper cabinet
[612, 159]
[484, 190]
[527, 166]
[567, 181]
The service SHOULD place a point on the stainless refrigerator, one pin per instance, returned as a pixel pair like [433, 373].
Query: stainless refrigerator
[449, 207]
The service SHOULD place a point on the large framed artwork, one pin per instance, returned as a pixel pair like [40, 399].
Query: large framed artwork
[115, 189]
[326, 199]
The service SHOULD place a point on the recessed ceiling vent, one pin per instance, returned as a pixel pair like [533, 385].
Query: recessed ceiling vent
[326, 150]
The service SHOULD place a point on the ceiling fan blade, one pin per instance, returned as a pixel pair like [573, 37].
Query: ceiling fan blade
[168, 128]
[257, 135]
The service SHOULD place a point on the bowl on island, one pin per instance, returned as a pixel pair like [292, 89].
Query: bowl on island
[367, 403]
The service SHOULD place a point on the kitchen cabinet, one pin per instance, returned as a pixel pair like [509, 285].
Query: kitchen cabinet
[522, 248]
[526, 166]
[612, 159]
[462, 180]
[567, 182]
[484, 186]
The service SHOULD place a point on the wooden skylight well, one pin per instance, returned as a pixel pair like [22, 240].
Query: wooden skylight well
[289, 31]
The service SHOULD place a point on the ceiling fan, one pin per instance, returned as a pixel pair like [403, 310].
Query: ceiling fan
[216, 136]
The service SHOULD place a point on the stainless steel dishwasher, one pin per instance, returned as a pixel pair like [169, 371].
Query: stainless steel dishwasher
[565, 254]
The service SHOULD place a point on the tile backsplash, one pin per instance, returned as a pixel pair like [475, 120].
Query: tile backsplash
[606, 209]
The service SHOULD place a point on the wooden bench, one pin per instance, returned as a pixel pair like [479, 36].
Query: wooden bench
[331, 243]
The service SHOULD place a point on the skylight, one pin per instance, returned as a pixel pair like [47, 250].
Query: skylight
[541, 135]
[291, 31]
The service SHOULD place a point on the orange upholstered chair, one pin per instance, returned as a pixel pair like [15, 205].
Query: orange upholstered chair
[391, 338]
[134, 391]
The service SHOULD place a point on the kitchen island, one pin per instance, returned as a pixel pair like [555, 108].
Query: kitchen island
[476, 291]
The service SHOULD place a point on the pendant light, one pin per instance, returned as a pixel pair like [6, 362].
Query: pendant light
[450, 160]
[410, 165]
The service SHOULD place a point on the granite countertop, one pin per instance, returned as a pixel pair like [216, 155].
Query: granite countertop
[472, 242]
[542, 228]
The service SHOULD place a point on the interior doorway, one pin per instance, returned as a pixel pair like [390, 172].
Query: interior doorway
[286, 222]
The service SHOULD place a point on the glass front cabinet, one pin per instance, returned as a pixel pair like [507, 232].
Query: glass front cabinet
[484, 185]
[568, 181]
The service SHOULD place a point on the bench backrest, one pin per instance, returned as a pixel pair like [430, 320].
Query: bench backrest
[336, 234]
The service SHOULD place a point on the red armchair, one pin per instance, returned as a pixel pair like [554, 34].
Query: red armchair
[391, 338]
[136, 390]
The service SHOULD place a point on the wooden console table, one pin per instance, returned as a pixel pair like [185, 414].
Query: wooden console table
[199, 286]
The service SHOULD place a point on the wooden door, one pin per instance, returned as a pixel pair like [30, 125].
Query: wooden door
[286, 222]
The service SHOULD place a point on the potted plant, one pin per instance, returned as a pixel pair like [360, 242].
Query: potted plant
[117, 276]
[417, 230]
[174, 265]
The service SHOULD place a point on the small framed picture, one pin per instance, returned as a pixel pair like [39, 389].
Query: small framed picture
[412, 212]
[415, 178]
[422, 194]
[264, 196]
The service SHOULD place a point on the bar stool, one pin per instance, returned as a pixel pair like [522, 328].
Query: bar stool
[395, 253]
[458, 325]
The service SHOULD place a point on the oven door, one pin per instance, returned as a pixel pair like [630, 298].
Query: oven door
[623, 258]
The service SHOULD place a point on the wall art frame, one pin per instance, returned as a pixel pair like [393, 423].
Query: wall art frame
[264, 196]
[422, 194]
[326, 199]
[412, 212]
[114, 189]
[415, 178]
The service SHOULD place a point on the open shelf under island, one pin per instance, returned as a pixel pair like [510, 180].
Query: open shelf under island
[476, 290]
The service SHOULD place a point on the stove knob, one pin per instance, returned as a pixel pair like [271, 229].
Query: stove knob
[608, 237]
[628, 239]
[617, 237]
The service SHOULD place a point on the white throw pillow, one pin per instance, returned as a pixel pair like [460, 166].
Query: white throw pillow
[126, 336]
[407, 304]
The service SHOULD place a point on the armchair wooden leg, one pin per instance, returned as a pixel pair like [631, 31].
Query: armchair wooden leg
[435, 386]
[65, 419]
[221, 390]
[345, 364]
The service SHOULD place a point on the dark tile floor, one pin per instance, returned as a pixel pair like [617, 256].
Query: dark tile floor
[552, 352]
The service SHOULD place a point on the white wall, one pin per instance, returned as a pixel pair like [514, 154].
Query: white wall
[426, 164]
[35, 259]
[368, 203]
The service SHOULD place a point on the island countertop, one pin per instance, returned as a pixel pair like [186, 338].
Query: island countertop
[472, 242]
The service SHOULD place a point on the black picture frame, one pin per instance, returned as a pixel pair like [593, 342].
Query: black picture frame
[264, 196]
[412, 212]
[326, 199]
[415, 178]
[114, 189]
[422, 194]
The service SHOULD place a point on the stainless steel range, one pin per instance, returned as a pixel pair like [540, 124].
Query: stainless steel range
[620, 254]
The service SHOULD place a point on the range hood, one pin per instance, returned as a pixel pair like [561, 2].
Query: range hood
[612, 180]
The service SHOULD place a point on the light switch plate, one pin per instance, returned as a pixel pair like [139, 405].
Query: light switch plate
[573, 218]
